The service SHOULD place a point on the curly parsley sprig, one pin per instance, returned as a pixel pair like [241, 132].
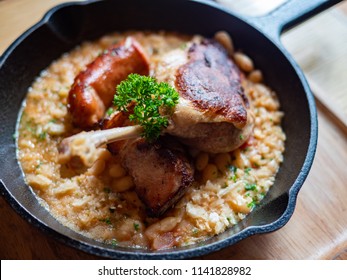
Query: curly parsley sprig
[150, 98]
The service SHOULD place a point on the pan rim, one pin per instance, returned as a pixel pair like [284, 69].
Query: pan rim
[190, 251]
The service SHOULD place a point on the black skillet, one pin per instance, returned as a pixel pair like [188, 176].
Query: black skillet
[67, 25]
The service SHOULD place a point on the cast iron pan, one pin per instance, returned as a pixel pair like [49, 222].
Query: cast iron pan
[67, 25]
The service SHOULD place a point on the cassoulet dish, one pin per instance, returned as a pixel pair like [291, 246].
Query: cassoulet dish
[151, 139]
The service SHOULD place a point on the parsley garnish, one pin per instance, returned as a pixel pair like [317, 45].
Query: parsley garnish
[151, 100]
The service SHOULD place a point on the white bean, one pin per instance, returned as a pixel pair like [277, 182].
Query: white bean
[116, 171]
[256, 76]
[225, 40]
[244, 62]
[201, 161]
[122, 184]
[223, 161]
[97, 168]
[165, 225]
[210, 172]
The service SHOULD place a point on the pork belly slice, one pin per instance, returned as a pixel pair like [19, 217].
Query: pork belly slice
[162, 172]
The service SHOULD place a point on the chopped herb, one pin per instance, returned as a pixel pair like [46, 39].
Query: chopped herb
[234, 170]
[53, 121]
[241, 137]
[261, 195]
[107, 190]
[42, 135]
[183, 46]
[234, 178]
[251, 204]
[247, 170]
[195, 231]
[250, 187]
[14, 136]
[136, 226]
[106, 220]
[29, 127]
[38, 165]
[114, 242]
[149, 98]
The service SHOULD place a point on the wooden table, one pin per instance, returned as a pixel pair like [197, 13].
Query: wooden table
[318, 228]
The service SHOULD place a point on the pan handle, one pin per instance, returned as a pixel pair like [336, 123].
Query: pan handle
[288, 15]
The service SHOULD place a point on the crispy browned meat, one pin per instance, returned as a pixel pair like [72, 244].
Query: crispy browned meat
[161, 172]
[211, 81]
[213, 112]
[93, 89]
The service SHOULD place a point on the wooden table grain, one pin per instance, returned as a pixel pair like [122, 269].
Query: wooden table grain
[318, 228]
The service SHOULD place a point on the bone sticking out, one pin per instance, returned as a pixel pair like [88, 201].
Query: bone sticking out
[84, 144]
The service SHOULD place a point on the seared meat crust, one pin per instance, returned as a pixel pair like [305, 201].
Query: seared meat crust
[212, 114]
[211, 81]
[161, 172]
